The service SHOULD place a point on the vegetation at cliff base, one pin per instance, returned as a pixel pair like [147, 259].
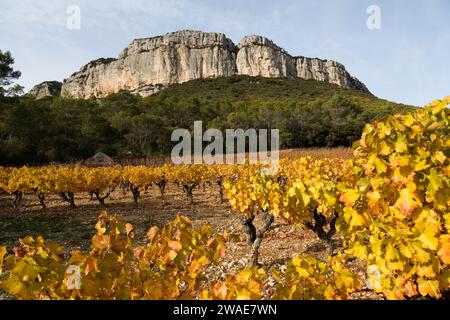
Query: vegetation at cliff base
[308, 113]
[8, 75]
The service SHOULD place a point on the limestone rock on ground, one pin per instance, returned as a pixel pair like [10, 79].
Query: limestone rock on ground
[100, 159]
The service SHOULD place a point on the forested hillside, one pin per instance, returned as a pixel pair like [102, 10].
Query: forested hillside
[308, 114]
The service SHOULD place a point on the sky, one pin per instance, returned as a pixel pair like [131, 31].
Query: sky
[406, 60]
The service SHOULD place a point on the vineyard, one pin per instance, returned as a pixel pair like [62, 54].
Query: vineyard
[382, 220]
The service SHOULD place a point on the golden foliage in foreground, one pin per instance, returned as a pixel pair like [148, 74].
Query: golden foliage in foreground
[172, 265]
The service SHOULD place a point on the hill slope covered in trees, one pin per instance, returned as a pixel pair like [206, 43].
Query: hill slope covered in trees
[308, 113]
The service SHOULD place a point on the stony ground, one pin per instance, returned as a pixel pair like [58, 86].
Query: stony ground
[74, 227]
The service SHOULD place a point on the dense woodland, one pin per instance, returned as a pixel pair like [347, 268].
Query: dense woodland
[308, 114]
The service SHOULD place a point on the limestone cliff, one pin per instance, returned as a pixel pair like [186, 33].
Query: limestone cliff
[328, 71]
[46, 89]
[151, 64]
[259, 56]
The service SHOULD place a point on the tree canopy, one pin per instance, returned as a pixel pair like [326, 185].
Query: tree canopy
[8, 75]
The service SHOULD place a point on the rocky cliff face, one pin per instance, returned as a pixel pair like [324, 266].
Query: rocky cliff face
[328, 71]
[46, 89]
[149, 65]
[258, 56]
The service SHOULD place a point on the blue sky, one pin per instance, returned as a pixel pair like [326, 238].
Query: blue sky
[407, 60]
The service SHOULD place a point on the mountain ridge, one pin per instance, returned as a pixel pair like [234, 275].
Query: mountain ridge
[148, 65]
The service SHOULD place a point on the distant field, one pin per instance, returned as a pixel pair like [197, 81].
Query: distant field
[320, 153]
[342, 153]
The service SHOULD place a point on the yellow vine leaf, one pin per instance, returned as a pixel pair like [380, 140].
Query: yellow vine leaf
[407, 202]
[429, 288]
[429, 240]
[444, 248]
[350, 197]
[401, 144]
[152, 232]
[380, 166]
[2, 255]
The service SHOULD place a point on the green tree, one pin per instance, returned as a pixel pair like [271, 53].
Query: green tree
[8, 75]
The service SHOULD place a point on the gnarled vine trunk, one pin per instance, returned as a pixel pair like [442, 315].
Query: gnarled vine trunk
[136, 193]
[17, 200]
[318, 227]
[68, 197]
[255, 237]
[162, 187]
[269, 218]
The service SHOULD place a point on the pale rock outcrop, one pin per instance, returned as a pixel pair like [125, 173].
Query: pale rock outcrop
[259, 56]
[149, 65]
[100, 159]
[328, 71]
[46, 89]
